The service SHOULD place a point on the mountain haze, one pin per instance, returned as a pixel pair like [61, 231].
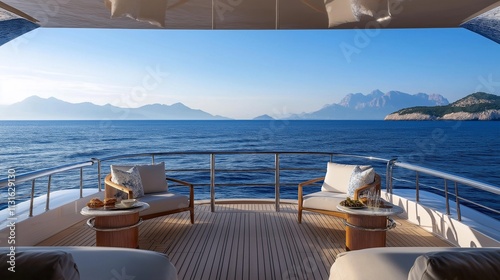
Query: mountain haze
[37, 108]
[373, 106]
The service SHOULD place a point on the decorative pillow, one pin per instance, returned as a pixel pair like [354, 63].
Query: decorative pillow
[153, 177]
[480, 263]
[130, 178]
[338, 176]
[38, 264]
[359, 178]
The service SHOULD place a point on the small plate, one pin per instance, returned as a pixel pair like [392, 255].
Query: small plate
[356, 207]
[120, 206]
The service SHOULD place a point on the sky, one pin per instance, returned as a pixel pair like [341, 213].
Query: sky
[244, 74]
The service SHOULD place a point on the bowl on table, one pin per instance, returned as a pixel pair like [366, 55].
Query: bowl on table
[128, 202]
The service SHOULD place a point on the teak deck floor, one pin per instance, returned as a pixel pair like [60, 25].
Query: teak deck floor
[248, 241]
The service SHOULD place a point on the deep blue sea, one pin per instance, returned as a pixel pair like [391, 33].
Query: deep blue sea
[469, 149]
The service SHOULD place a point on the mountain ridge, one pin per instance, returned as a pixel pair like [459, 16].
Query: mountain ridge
[372, 106]
[38, 108]
[354, 106]
[475, 106]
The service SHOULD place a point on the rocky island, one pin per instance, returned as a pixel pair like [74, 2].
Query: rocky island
[477, 106]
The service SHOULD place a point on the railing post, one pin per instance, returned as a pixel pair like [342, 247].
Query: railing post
[388, 175]
[459, 214]
[32, 197]
[99, 174]
[81, 182]
[277, 181]
[417, 188]
[153, 159]
[446, 197]
[212, 182]
[48, 193]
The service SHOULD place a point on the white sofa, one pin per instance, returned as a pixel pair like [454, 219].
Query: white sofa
[92, 263]
[398, 263]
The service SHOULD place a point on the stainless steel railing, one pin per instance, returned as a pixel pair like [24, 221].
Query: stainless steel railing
[213, 169]
[278, 168]
[49, 172]
[446, 178]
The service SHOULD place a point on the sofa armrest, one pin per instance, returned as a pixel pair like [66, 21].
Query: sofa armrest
[375, 186]
[110, 186]
[191, 189]
[306, 183]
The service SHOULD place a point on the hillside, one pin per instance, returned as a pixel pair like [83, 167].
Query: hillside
[373, 106]
[476, 106]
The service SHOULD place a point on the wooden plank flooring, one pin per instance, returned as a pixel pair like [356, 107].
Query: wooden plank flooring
[248, 241]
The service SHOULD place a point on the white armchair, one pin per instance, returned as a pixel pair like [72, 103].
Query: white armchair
[152, 189]
[340, 181]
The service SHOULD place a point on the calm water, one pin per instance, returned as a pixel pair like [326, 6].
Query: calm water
[469, 149]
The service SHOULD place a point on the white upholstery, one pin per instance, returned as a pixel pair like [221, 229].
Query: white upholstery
[156, 194]
[163, 201]
[338, 176]
[152, 176]
[323, 200]
[117, 263]
[388, 263]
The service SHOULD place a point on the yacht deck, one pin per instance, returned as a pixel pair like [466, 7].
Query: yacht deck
[248, 241]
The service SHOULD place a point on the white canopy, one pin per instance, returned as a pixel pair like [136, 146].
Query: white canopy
[250, 14]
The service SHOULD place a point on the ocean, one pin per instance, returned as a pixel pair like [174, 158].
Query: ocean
[468, 149]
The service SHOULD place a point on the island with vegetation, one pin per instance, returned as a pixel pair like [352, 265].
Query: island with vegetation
[476, 106]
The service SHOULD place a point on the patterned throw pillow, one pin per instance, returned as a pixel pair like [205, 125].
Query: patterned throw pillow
[128, 178]
[359, 178]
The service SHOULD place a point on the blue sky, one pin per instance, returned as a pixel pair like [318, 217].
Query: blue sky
[243, 74]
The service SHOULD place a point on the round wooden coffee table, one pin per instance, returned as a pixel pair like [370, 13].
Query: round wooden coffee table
[116, 227]
[367, 227]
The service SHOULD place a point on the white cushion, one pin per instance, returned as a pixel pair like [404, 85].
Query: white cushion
[164, 201]
[152, 176]
[128, 178]
[338, 176]
[323, 200]
[108, 263]
[385, 263]
[359, 178]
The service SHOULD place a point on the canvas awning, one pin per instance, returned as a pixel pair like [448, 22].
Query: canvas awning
[252, 14]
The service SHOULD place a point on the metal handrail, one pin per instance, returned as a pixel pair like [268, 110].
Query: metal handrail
[451, 177]
[213, 170]
[277, 170]
[32, 176]
[447, 177]
[20, 178]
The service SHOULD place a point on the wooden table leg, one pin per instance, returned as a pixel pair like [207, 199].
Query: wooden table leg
[357, 238]
[128, 238]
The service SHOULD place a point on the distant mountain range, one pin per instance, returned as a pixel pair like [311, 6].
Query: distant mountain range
[476, 106]
[37, 108]
[373, 106]
[355, 106]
